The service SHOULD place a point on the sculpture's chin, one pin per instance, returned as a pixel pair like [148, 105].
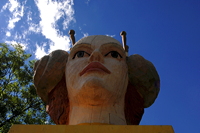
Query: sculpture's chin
[93, 83]
[93, 92]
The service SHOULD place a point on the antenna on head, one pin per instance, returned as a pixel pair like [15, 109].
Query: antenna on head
[71, 33]
[123, 35]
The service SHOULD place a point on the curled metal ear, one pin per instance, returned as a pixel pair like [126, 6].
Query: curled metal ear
[71, 33]
[123, 35]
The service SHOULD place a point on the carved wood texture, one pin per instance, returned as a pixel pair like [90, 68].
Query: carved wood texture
[58, 103]
[133, 106]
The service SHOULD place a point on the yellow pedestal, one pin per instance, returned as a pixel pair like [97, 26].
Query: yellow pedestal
[90, 129]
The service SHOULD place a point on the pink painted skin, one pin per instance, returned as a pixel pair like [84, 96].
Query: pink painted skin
[94, 66]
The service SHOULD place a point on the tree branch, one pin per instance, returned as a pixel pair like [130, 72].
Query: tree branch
[17, 114]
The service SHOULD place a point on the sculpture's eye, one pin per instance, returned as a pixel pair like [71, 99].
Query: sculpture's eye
[80, 54]
[114, 54]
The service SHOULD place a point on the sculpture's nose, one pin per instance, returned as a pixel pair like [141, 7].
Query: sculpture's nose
[96, 56]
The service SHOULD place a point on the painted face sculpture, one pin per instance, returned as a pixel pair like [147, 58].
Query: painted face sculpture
[97, 71]
[96, 83]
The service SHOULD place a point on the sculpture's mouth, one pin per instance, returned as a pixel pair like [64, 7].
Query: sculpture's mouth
[95, 66]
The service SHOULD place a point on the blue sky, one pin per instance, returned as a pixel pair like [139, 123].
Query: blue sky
[166, 32]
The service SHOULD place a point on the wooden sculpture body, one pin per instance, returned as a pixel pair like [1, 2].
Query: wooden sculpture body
[97, 80]
[96, 83]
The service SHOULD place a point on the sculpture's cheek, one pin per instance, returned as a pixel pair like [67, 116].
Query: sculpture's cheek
[73, 80]
[118, 80]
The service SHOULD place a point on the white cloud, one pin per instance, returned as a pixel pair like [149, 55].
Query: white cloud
[40, 52]
[17, 11]
[4, 7]
[14, 42]
[17, 38]
[13, 5]
[34, 28]
[110, 35]
[11, 42]
[29, 18]
[8, 34]
[50, 13]
[85, 34]
[21, 36]
[87, 2]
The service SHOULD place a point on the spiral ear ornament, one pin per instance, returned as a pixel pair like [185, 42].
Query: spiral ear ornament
[144, 77]
[48, 71]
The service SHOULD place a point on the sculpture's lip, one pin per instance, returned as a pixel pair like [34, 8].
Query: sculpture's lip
[95, 66]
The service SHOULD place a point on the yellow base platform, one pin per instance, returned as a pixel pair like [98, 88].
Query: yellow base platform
[90, 129]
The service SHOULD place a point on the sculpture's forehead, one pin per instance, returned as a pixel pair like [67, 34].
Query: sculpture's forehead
[97, 40]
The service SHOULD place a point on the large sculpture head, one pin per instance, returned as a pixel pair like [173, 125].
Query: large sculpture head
[96, 71]
[96, 83]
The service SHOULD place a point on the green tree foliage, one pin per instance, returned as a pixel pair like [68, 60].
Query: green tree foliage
[19, 103]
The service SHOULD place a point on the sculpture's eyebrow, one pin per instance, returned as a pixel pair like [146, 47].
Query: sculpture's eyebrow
[81, 45]
[109, 45]
[114, 45]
